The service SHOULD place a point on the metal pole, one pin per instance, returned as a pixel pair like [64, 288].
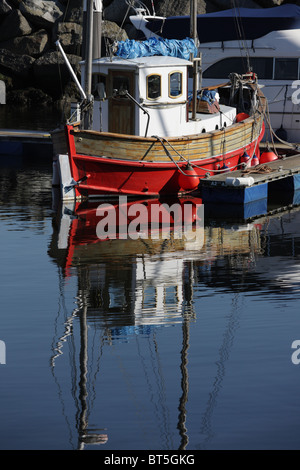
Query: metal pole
[194, 35]
[89, 49]
[97, 29]
[88, 108]
[82, 93]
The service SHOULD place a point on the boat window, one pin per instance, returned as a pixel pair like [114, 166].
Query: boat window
[153, 86]
[286, 69]
[99, 86]
[262, 66]
[120, 85]
[175, 84]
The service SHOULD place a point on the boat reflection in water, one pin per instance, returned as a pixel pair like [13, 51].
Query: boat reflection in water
[128, 284]
[155, 248]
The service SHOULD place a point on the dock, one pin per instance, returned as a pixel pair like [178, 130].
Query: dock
[15, 142]
[252, 192]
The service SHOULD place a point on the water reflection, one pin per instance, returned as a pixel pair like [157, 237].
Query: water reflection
[127, 287]
[25, 192]
[271, 266]
[149, 287]
[147, 330]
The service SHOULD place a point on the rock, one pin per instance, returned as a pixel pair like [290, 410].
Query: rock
[181, 7]
[70, 37]
[113, 32]
[14, 25]
[15, 65]
[74, 11]
[33, 45]
[28, 97]
[42, 13]
[4, 7]
[51, 73]
[116, 12]
[71, 92]
[15, 3]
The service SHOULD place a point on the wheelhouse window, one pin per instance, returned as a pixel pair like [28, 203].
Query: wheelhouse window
[175, 84]
[153, 87]
[121, 85]
[99, 86]
[286, 69]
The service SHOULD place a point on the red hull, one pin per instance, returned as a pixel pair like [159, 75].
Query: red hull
[108, 176]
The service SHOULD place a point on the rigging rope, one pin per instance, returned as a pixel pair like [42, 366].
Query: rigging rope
[241, 33]
[273, 134]
[130, 4]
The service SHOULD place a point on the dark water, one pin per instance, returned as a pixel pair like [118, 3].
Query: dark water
[143, 344]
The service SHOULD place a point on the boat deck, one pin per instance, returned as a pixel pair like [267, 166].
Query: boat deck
[278, 169]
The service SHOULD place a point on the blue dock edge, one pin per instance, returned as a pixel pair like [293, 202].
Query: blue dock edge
[247, 202]
[25, 143]
[243, 202]
[234, 195]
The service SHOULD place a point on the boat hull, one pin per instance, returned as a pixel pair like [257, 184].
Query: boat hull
[147, 167]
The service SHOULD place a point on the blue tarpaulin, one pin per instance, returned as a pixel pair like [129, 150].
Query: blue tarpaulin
[204, 95]
[130, 49]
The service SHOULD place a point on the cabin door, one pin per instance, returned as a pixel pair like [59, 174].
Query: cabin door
[121, 110]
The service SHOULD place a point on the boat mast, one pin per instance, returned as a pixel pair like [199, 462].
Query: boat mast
[92, 47]
[97, 29]
[88, 47]
[194, 36]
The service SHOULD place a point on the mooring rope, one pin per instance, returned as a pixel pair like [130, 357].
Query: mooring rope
[161, 139]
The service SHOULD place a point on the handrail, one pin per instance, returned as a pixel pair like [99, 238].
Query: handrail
[141, 107]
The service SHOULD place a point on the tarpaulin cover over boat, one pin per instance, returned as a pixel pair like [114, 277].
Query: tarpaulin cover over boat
[131, 49]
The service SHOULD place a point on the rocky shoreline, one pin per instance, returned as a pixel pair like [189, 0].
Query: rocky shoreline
[30, 65]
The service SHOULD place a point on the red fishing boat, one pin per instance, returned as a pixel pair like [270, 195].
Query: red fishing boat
[150, 135]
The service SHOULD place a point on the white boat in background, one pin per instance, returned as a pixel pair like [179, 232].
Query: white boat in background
[267, 40]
